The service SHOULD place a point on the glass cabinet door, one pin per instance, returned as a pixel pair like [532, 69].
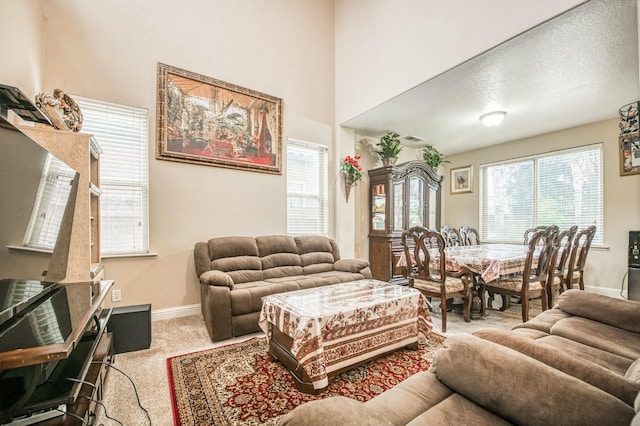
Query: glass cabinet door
[433, 207]
[398, 206]
[378, 208]
[416, 202]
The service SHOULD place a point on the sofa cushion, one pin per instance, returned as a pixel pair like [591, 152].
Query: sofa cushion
[626, 313]
[238, 256]
[575, 366]
[633, 372]
[599, 335]
[481, 371]
[457, 410]
[279, 256]
[316, 253]
[337, 410]
[613, 362]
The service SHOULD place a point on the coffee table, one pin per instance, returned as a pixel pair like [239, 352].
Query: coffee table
[319, 332]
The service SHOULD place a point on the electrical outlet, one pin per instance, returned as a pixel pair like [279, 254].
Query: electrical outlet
[116, 295]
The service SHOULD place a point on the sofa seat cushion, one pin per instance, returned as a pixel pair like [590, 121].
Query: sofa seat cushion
[457, 410]
[469, 364]
[335, 277]
[599, 335]
[544, 321]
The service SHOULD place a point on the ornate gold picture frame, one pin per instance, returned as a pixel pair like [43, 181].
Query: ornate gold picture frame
[202, 120]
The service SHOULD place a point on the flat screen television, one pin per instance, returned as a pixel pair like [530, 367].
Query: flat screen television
[23, 188]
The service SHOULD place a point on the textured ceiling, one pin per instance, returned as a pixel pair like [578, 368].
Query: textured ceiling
[578, 68]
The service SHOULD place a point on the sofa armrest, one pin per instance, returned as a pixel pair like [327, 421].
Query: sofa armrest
[350, 265]
[218, 278]
[522, 389]
[619, 313]
[337, 410]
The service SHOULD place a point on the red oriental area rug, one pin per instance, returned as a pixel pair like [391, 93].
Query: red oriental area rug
[237, 384]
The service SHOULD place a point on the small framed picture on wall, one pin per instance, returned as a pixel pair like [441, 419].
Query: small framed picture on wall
[462, 180]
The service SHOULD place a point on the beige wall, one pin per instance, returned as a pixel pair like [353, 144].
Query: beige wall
[607, 266]
[21, 29]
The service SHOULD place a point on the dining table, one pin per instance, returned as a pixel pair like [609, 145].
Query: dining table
[488, 261]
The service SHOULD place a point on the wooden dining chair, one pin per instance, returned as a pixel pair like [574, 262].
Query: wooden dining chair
[529, 232]
[451, 236]
[531, 283]
[578, 258]
[558, 263]
[470, 236]
[430, 276]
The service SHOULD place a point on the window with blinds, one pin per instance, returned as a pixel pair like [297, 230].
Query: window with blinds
[122, 133]
[307, 188]
[562, 188]
[53, 193]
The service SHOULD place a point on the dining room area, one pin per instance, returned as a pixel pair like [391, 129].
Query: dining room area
[452, 265]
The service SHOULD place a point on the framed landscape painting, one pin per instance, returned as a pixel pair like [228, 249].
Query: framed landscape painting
[461, 180]
[202, 120]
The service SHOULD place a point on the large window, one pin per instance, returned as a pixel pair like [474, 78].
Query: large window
[307, 188]
[122, 133]
[562, 188]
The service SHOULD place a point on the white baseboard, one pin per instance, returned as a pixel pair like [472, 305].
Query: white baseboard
[175, 312]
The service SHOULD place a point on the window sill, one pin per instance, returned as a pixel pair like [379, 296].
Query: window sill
[128, 256]
[29, 249]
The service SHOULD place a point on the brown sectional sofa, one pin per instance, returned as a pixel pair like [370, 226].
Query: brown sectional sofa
[236, 272]
[578, 363]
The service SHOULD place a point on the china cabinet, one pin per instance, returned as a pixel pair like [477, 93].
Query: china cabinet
[400, 197]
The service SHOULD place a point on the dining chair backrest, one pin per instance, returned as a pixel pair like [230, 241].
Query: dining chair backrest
[580, 249]
[529, 232]
[451, 236]
[470, 236]
[410, 244]
[542, 245]
[564, 242]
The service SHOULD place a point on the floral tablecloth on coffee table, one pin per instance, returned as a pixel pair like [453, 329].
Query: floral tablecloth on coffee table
[337, 326]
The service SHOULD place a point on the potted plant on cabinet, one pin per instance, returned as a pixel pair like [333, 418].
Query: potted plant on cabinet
[389, 148]
[433, 157]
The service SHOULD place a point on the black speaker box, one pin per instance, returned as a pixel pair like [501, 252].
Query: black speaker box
[130, 327]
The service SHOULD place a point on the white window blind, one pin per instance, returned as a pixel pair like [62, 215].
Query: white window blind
[46, 216]
[563, 188]
[307, 188]
[122, 133]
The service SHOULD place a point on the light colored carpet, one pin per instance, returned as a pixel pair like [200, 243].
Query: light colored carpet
[147, 368]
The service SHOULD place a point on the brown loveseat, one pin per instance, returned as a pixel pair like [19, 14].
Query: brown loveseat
[236, 272]
[575, 364]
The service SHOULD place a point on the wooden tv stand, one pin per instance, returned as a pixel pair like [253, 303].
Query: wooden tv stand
[77, 367]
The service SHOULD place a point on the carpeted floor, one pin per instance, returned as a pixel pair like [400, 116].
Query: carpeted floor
[147, 368]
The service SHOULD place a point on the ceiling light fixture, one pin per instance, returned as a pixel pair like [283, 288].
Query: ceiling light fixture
[492, 119]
